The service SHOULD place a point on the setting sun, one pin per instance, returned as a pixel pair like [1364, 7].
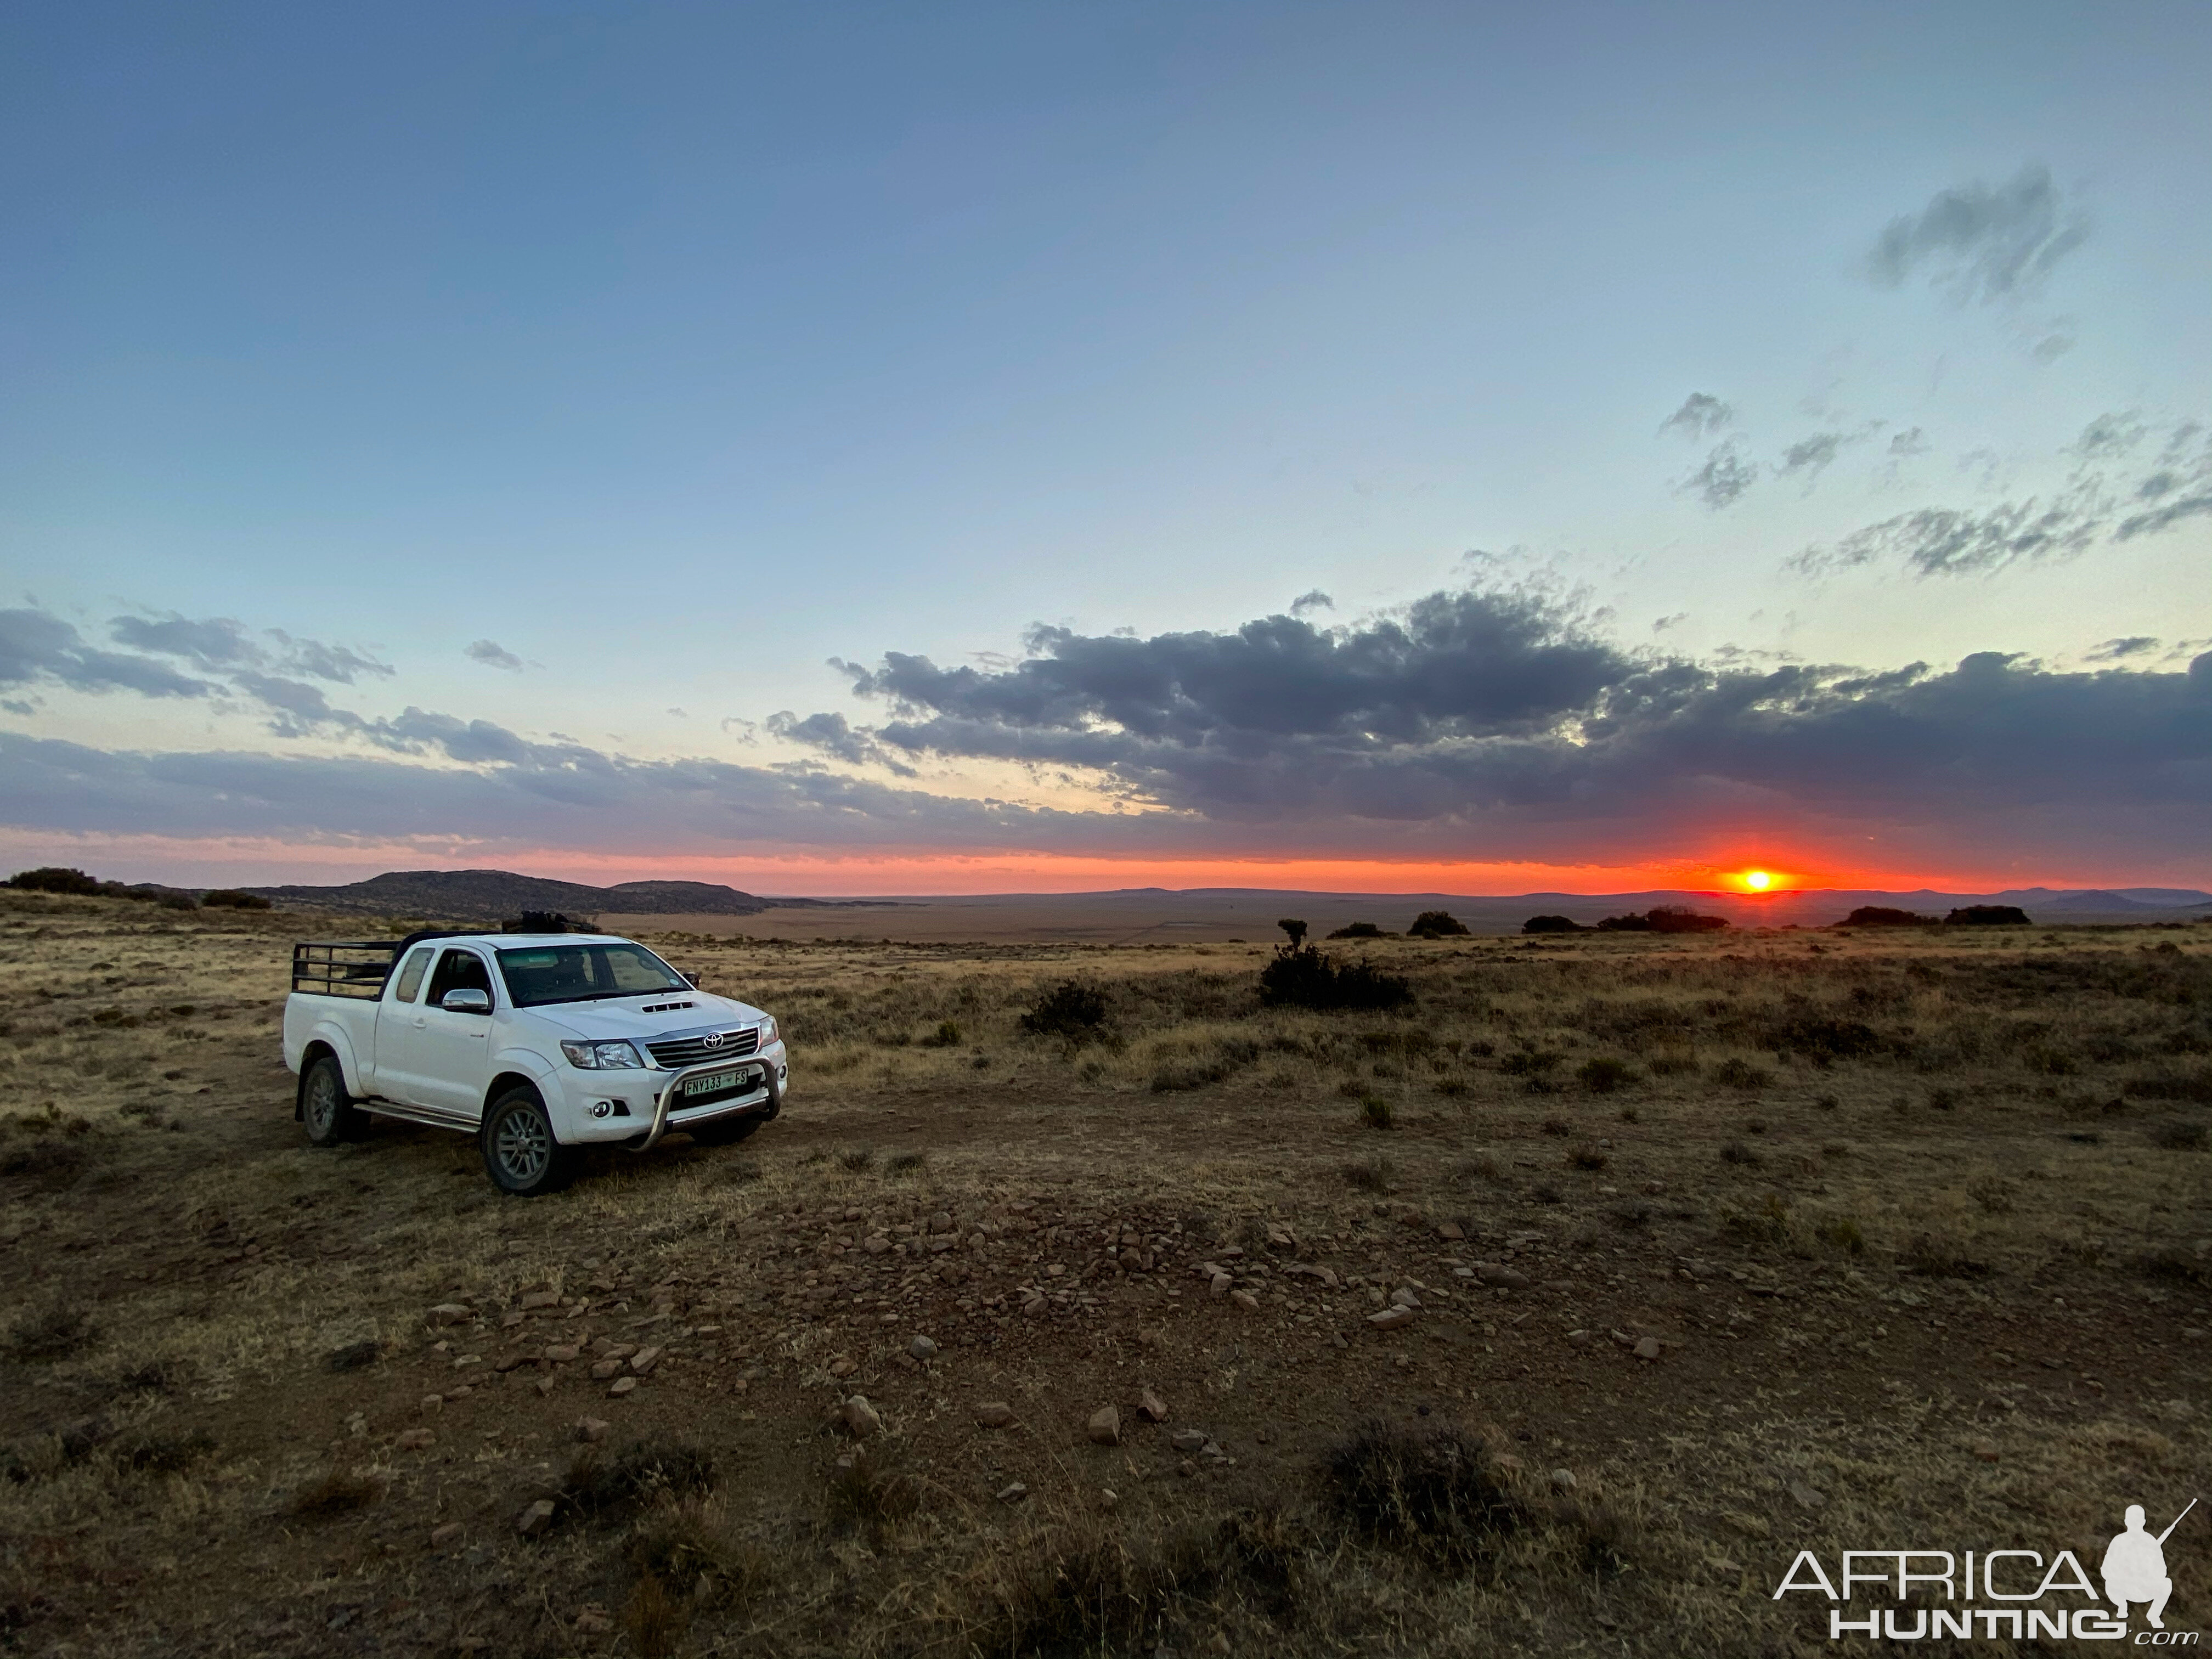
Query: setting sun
[1758, 880]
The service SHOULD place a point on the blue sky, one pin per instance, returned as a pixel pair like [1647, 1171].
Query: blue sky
[662, 354]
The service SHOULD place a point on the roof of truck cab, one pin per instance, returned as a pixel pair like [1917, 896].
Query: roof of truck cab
[508, 941]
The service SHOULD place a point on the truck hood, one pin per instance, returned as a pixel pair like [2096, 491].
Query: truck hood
[625, 1016]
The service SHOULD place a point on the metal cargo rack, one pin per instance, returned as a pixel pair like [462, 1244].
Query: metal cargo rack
[344, 967]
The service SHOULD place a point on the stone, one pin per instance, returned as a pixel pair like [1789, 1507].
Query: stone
[876, 1244]
[414, 1439]
[1034, 1308]
[594, 1621]
[1189, 1442]
[940, 1223]
[1219, 1286]
[1150, 1404]
[1986, 1450]
[922, 1347]
[1013, 1494]
[433, 1402]
[1105, 1426]
[592, 1429]
[507, 1362]
[544, 1384]
[1246, 1300]
[1655, 1188]
[993, 1414]
[861, 1419]
[1649, 1347]
[1391, 1319]
[604, 1368]
[621, 1386]
[1450, 1230]
[842, 1366]
[535, 1519]
[533, 1300]
[1491, 1272]
[562, 1353]
[644, 1360]
[1404, 1298]
[1810, 1497]
[1563, 1480]
[444, 1537]
[450, 1312]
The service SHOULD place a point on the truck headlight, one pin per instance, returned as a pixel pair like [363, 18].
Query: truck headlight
[601, 1056]
[768, 1030]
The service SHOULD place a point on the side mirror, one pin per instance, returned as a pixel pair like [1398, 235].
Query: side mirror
[691, 980]
[466, 1002]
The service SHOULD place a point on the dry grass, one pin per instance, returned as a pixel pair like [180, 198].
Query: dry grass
[1921, 1224]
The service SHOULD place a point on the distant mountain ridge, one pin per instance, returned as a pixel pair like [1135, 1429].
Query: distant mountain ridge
[495, 895]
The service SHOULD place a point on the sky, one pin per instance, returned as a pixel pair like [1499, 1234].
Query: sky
[853, 449]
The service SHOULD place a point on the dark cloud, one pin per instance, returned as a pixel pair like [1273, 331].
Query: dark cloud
[2109, 496]
[1911, 441]
[36, 646]
[1700, 415]
[1724, 477]
[834, 735]
[2135, 645]
[1471, 725]
[1313, 600]
[492, 654]
[1984, 242]
[1811, 456]
[217, 644]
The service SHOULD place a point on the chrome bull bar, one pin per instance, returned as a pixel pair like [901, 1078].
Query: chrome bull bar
[674, 1088]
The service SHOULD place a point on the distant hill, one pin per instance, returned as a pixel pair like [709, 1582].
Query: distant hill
[494, 895]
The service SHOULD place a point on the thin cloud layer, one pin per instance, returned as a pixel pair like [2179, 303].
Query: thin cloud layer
[1982, 242]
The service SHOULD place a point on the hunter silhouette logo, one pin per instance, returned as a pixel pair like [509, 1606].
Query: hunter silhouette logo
[2135, 1566]
[2005, 1594]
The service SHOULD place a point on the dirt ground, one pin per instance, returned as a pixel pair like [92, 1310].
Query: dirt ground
[1715, 1249]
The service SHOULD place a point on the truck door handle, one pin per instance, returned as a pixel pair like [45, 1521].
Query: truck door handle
[421, 1024]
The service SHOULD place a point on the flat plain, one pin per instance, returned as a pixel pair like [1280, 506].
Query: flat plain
[1705, 1251]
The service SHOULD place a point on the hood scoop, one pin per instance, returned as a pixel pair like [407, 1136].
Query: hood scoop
[664, 1007]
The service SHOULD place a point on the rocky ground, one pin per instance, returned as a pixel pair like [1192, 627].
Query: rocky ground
[1150, 1339]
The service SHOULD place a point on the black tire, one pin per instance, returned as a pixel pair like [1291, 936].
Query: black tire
[728, 1131]
[520, 1154]
[326, 1110]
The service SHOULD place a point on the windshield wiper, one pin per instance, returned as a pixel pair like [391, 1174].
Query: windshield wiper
[596, 996]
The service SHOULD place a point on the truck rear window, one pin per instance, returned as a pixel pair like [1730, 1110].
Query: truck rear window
[584, 973]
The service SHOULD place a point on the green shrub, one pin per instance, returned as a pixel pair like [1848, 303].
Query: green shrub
[1071, 1010]
[1603, 1076]
[1302, 977]
[1437, 924]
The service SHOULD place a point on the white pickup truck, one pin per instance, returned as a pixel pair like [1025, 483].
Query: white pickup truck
[535, 1043]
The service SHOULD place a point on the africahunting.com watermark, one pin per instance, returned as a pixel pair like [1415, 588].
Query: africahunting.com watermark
[2028, 1597]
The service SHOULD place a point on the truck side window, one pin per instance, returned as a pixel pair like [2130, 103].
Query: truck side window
[458, 971]
[410, 974]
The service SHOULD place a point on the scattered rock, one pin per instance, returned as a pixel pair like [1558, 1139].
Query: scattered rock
[544, 1384]
[1034, 1308]
[1491, 1272]
[644, 1360]
[921, 1348]
[993, 1414]
[1391, 1318]
[1219, 1285]
[1246, 1300]
[592, 1620]
[592, 1428]
[450, 1312]
[1013, 1494]
[1450, 1230]
[621, 1386]
[1648, 1347]
[842, 1366]
[1150, 1404]
[1404, 1298]
[1563, 1480]
[414, 1439]
[876, 1244]
[604, 1368]
[433, 1402]
[1189, 1442]
[1655, 1188]
[861, 1419]
[562, 1353]
[535, 1519]
[1986, 1450]
[533, 1300]
[1105, 1426]
[444, 1537]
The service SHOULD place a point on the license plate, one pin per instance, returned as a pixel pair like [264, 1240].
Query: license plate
[714, 1082]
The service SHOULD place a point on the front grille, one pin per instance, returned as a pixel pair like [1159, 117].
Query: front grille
[678, 1052]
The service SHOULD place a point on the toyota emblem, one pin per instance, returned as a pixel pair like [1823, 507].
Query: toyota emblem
[713, 1040]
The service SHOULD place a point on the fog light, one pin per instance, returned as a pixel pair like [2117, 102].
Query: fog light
[603, 1108]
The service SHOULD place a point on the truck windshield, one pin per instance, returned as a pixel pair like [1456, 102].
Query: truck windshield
[584, 973]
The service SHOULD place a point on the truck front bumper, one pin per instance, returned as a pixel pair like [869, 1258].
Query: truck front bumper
[635, 1108]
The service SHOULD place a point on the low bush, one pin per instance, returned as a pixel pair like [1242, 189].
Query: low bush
[1436, 1494]
[1375, 1113]
[1437, 924]
[1551, 925]
[1361, 930]
[1604, 1076]
[1735, 1074]
[1302, 977]
[1988, 916]
[51, 1331]
[1371, 1174]
[1883, 915]
[1587, 1155]
[231, 898]
[1071, 1010]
